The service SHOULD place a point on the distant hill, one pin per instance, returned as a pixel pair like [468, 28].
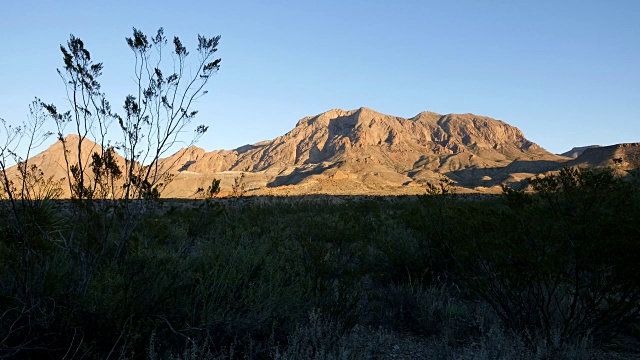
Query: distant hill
[577, 151]
[53, 164]
[365, 152]
[620, 156]
[52, 160]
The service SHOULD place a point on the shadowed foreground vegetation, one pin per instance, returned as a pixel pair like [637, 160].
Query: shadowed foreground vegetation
[545, 275]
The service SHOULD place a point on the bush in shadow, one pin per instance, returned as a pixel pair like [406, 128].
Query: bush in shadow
[561, 262]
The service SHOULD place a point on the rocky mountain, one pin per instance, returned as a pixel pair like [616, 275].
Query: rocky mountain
[53, 164]
[52, 160]
[365, 152]
[622, 157]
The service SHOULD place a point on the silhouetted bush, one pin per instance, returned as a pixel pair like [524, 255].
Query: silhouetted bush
[562, 261]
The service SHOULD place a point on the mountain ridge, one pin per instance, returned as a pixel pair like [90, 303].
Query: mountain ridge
[363, 151]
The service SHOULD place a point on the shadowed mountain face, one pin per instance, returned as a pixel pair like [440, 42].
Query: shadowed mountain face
[365, 152]
[622, 157]
[577, 151]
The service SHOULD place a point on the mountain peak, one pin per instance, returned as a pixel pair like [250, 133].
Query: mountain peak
[365, 111]
[360, 151]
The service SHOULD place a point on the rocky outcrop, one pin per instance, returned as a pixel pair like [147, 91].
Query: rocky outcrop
[365, 152]
[426, 140]
[380, 151]
[620, 156]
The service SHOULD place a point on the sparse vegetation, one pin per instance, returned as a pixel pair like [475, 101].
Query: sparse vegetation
[238, 189]
[212, 190]
[544, 275]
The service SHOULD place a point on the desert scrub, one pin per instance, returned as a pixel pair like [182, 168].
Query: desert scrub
[323, 338]
[426, 310]
[558, 262]
[260, 278]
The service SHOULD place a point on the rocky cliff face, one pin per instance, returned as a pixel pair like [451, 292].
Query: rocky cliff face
[367, 136]
[364, 152]
[370, 149]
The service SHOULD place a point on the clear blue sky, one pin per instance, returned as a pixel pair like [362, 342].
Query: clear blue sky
[565, 72]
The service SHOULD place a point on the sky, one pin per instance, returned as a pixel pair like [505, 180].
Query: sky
[564, 72]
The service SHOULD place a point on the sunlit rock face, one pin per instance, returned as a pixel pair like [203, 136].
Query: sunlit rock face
[365, 152]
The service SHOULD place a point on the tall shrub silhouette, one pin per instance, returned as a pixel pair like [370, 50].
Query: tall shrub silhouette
[560, 262]
[55, 257]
